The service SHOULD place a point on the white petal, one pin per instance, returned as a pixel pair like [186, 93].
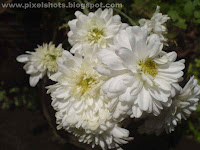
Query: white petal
[144, 99]
[126, 55]
[23, 58]
[33, 80]
[110, 59]
[137, 112]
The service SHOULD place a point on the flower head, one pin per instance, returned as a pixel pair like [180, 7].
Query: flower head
[40, 62]
[88, 34]
[156, 24]
[140, 73]
[80, 107]
[183, 103]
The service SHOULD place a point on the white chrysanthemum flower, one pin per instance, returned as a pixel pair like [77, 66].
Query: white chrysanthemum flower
[183, 103]
[141, 74]
[40, 62]
[156, 24]
[80, 107]
[90, 33]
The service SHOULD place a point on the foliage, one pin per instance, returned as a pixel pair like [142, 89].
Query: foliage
[195, 121]
[194, 125]
[194, 69]
[15, 97]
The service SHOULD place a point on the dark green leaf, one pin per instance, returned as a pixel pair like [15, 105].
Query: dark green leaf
[189, 8]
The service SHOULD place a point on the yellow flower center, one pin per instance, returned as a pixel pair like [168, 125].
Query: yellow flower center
[149, 66]
[95, 34]
[50, 59]
[85, 83]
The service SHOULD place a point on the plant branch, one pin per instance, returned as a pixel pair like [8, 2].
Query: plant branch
[126, 16]
[44, 104]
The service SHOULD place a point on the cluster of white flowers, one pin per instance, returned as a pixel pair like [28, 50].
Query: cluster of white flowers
[183, 103]
[155, 24]
[116, 71]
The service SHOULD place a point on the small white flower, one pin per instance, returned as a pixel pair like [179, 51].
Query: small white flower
[90, 33]
[156, 24]
[80, 107]
[40, 62]
[183, 103]
[141, 74]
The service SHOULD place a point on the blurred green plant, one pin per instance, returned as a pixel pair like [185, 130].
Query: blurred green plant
[193, 125]
[16, 97]
[194, 69]
[183, 13]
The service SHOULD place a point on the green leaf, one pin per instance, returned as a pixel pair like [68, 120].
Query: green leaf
[196, 3]
[16, 101]
[181, 24]
[179, 1]
[171, 35]
[197, 14]
[191, 126]
[14, 90]
[198, 108]
[189, 8]
[2, 95]
[197, 21]
[174, 15]
[5, 105]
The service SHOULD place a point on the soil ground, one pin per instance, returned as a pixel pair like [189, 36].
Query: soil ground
[26, 130]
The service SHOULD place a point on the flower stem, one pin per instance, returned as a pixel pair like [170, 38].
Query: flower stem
[127, 17]
[54, 35]
[44, 102]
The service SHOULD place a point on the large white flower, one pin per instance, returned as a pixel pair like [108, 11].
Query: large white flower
[90, 33]
[40, 62]
[183, 103]
[156, 24]
[80, 107]
[141, 74]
